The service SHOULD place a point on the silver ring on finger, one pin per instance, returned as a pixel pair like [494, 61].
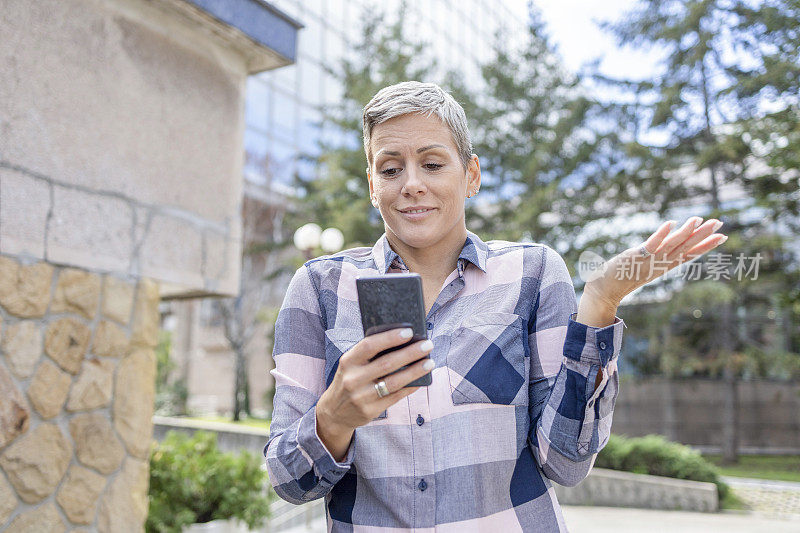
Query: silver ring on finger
[382, 389]
[643, 251]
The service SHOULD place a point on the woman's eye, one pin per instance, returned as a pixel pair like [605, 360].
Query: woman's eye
[390, 171]
[433, 166]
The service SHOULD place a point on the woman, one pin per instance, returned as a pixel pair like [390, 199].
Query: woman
[524, 380]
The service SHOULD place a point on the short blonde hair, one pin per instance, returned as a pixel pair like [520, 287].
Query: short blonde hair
[417, 97]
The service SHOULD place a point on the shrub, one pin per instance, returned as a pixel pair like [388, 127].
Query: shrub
[191, 481]
[657, 456]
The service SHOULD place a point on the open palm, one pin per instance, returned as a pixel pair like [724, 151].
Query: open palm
[631, 269]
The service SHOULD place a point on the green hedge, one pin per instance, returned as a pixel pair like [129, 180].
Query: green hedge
[192, 481]
[657, 456]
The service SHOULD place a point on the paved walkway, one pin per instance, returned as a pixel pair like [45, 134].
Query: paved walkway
[776, 498]
[775, 508]
[620, 520]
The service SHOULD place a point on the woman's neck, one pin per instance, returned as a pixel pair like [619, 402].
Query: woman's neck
[434, 262]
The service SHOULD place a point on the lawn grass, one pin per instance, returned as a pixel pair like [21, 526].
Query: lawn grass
[776, 467]
[731, 502]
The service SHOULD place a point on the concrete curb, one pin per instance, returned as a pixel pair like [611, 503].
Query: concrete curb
[613, 488]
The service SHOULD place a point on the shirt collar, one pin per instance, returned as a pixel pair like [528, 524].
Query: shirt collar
[475, 251]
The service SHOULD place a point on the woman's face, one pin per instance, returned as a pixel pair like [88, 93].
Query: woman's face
[417, 182]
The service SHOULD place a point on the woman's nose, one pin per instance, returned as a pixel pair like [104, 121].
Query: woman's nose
[414, 183]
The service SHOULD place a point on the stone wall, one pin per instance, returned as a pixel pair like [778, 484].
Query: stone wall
[613, 488]
[77, 376]
[121, 126]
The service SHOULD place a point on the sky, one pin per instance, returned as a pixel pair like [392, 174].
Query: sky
[571, 26]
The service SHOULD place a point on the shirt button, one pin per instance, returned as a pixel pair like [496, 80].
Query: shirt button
[420, 420]
[430, 325]
[422, 485]
[602, 345]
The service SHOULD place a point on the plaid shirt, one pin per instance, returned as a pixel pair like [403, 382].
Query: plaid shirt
[513, 404]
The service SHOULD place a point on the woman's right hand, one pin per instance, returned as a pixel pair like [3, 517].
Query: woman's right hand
[351, 399]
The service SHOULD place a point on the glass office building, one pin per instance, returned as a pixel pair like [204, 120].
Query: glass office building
[284, 105]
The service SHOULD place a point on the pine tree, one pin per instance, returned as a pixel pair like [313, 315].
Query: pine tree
[550, 163]
[339, 195]
[726, 100]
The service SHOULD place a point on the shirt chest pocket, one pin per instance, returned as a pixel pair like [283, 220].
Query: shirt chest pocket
[337, 342]
[489, 360]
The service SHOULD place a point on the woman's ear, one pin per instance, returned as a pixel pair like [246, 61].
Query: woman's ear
[371, 191]
[473, 176]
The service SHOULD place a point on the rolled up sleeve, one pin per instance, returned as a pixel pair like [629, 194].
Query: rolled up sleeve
[300, 467]
[570, 408]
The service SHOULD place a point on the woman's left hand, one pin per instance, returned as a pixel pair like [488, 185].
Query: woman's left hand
[629, 270]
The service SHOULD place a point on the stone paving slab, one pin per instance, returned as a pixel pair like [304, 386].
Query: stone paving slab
[618, 520]
[584, 519]
[775, 498]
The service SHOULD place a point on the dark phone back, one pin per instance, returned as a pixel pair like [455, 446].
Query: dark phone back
[393, 300]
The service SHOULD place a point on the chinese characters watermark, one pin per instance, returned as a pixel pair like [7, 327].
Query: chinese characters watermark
[716, 267]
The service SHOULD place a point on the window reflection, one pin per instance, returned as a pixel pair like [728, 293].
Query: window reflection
[286, 78]
[310, 81]
[257, 104]
[309, 130]
[256, 160]
[282, 162]
[309, 39]
[284, 119]
[314, 6]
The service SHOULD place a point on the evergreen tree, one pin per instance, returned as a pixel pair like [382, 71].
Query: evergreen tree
[339, 195]
[549, 160]
[726, 100]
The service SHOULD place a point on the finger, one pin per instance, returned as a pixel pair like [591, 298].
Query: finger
[393, 398]
[703, 231]
[703, 247]
[400, 379]
[388, 363]
[367, 347]
[374, 404]
[396, 385]
[652, 243]
[677, 238]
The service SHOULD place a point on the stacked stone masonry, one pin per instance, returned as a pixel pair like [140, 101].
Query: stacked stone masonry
[77, 382]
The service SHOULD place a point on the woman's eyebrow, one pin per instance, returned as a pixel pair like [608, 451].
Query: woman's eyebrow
[419, 150]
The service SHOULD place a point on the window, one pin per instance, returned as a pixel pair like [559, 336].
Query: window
[284, 116]
[333, 90]
[334, 48]
[286, 78]
[282, 162]
[310, 81]
[257, 104]
[338, 11]
[309, 130]
[317, 7]
[255, 156]
[309, 39]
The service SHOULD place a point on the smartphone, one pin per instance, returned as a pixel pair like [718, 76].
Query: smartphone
[393, 301]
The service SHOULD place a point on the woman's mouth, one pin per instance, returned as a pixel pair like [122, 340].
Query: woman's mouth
[416, 213]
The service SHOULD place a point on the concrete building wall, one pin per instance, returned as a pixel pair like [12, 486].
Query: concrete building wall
[121, 129]
[121, 125]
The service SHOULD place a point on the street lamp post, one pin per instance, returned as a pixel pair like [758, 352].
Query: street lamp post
[309, 237]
